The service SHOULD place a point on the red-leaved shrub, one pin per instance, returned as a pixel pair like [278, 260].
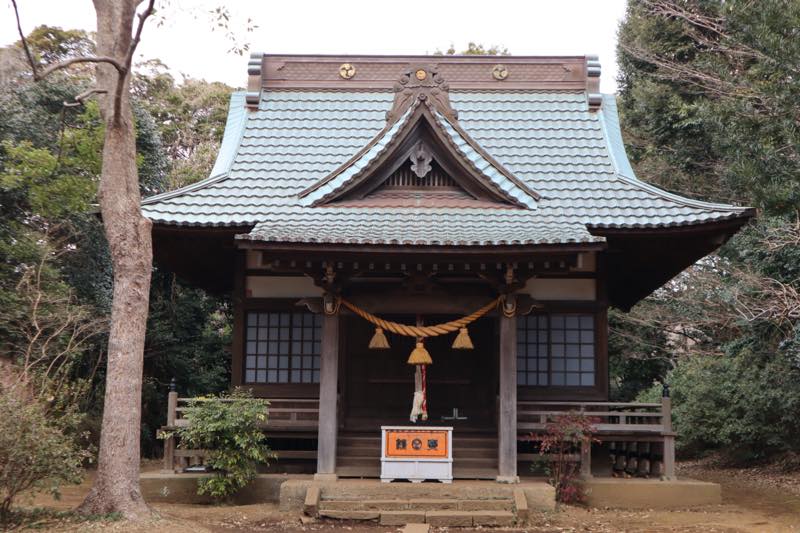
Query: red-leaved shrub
[562, 438]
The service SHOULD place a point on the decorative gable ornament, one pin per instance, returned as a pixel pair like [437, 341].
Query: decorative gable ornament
[421, 82]
[421, 160]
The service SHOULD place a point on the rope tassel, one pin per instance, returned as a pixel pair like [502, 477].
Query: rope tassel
[462, 340]
[379, 341]
[420, 356]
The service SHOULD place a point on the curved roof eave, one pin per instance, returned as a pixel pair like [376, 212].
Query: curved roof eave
[609, 122]
[231, 140]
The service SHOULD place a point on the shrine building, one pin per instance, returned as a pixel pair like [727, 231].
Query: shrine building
[430, 241]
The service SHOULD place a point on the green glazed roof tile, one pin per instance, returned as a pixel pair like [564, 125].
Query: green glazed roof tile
[550, 141]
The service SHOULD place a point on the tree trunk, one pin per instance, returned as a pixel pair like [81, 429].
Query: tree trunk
[116, 487]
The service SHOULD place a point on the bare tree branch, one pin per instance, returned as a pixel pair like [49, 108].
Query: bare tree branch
[75, 60]
[62, 64]
[83, 96]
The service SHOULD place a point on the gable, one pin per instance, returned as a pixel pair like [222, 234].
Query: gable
[419, 133]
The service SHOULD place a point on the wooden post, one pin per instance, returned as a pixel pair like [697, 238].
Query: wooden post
[669, 435]
[328, 396]
[586, 459]
[169, 443]
[507, 423]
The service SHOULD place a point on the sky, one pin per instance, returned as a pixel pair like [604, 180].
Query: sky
[184, 40]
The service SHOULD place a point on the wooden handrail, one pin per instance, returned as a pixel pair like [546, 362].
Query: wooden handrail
[270, 400]
[632, 405]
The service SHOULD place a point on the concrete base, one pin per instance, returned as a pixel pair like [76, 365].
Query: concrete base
[650, 493]
[325, 477]
[507, 479]
[539, 495]
[291, 491]
[182, 488]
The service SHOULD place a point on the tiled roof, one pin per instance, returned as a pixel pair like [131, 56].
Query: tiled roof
[550, 141]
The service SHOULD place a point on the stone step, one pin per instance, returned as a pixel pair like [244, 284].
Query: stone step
[443, 518]
[418, 504]
[447, 518]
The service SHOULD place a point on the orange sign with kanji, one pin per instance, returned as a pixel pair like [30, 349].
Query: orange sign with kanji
[416, 443]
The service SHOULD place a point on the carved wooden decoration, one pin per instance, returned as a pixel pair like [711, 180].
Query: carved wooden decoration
[421, 82]
[421, 160]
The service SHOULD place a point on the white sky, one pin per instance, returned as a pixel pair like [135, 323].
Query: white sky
[186, 43]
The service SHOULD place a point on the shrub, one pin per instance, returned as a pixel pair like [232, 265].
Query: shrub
[563, 436]
[741, 403]
[228, 427]
[37, 453]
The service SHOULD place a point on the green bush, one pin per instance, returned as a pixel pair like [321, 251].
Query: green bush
[742, 404]
[37, 453]
[228, 427]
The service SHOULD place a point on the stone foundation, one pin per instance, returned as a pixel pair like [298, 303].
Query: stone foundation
[650, 493]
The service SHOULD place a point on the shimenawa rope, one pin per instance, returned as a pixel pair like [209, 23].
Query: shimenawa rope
[421, 331]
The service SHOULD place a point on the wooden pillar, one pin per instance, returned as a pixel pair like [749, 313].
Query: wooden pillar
[507, 421]
[238, 299]
[328, 396]
[669, 435]
[169, 442]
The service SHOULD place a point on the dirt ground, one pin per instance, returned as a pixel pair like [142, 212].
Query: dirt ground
[754, 501]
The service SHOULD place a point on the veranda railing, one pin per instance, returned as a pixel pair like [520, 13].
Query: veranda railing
[625, 425]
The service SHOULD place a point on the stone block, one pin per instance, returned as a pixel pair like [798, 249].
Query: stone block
[401, 518]
[449, 518]
[485, 505]
[293, 494]
[540, 496]
[386, 505]
[521, 505]
[311, 504]
[432, 504]
[349, 515]
[493, 518]
[416, 528]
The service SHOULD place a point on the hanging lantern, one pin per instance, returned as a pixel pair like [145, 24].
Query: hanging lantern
[463, 342]
[420, 356]
[379, 341]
